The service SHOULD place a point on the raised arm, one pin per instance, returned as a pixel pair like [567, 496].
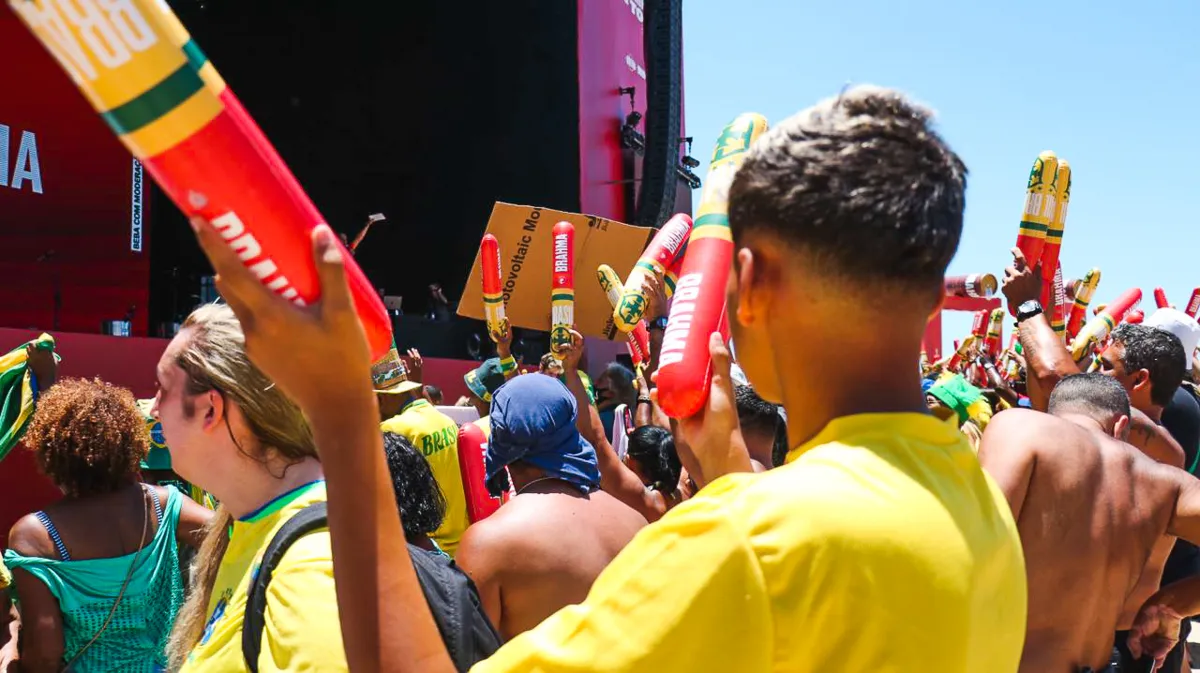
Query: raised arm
[1008, 454]
[996, 381]
[1154, 440]
[1047, 360]
[615, 478]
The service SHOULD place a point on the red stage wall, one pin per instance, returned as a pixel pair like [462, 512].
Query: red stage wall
[84, 210]
[611, 57]
[131, 363]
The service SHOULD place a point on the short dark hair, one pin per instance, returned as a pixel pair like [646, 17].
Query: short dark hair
[89, 437]
[654, 450]
[754, 413]
[862, 184]
[1096, 395]
[420, 500]
[1158, 352]
[434, 393]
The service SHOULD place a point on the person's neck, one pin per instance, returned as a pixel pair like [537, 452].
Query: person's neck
[1085, 422]
[873, 375]
[532, 480]
[1154, 411]
[250, 488]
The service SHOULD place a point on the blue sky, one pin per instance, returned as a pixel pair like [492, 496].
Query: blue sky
[1112, 88]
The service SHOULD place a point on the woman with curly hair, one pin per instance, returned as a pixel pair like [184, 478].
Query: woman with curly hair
[97, 574]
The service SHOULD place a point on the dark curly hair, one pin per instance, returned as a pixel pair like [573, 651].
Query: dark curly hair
[418, 496]
[654, 450]
[88, 436]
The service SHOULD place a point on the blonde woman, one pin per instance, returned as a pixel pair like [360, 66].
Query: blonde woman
[235, 435]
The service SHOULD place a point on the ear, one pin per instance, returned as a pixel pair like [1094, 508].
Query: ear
[750, 287]
[212, 405]
[1141, 380]
[1121, 428]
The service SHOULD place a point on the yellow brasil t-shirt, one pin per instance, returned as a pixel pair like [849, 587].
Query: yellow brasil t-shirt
[435, 435]
[302, 631]
[881, 546]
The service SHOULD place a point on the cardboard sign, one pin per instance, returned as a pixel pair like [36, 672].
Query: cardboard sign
[526, 251]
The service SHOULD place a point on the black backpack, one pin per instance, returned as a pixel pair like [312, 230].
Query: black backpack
[466, 630]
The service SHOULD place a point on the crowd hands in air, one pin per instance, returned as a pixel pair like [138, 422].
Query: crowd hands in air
[902, 519]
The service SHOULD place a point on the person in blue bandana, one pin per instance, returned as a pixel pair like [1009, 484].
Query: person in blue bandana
[543, 549]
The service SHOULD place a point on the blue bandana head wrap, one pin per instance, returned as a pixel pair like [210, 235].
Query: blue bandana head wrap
[533, 419]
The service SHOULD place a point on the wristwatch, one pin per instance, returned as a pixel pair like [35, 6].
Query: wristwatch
[658, 323]
[1028, 310]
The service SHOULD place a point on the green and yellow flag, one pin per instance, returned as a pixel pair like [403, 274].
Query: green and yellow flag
[17, 392]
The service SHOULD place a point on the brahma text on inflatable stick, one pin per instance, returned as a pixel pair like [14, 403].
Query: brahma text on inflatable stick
[664, 248]
[1058, 316]
[698, 309]
[1160, 298]
[995, 335]
[638, 340]
[1084, 290]
[562, 288]
[138, 67]
[1061, 187]
[973, 286]
[493, 290]
[1099, 327]
[1039, 207]
[1193, 305]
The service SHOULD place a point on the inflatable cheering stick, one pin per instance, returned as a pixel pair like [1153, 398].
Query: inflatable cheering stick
[994, 343]
[1098, 328]
[472, 444]
[151, 84]
[638, 340]
[1193, 305]
[671, 277]
[493, 291]
[1135, 317]
[1039, 208]
[1084, 290]
[698, 309]
[1051, 273]
[657, 258]
[562, 288]
[974, 286]
[1160, 298]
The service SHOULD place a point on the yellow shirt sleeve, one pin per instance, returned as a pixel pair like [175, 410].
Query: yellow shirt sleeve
[301, 630]
[5, 578]
[687, 594]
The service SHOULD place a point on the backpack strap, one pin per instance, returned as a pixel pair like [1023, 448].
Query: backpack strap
[311, 518]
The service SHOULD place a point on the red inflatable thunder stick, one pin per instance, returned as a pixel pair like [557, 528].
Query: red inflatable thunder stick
[1160, 298]
[666, 247]
[1084, 289]
[493, 291]
[698, 309]
[1098, 328]
[1039, 209]
[1052, 293]
[472, 445]
[994, 342]
[151, 84]
[980, 322]
[1135, 317]
[1193, 305]
[562, 288]
[1058, 317]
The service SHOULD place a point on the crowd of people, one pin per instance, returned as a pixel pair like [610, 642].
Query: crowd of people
[819, 513]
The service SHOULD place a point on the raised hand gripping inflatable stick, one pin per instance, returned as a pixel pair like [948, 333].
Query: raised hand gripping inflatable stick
[1084, 290]
[1051, 273]
[562, 288]
[1193, 305]
[1160, 298]
[664, 249]
[698, 310]
[1039, 208]
[151, 84]
[493, 291]
[974, 286]
[1099, 327]
[637, 340]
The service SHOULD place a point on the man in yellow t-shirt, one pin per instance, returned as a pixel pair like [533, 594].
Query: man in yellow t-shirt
[433, 433]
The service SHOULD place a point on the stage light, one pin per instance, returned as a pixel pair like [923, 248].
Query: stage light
[690, 161]
[633, 118]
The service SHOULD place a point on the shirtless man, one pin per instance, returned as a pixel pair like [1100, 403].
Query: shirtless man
[1090, 510]
[543, 549]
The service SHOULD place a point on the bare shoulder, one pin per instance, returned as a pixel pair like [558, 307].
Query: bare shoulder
[1020, 430]
[28, 537]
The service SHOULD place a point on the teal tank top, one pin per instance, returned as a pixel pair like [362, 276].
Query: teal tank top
[136, 638]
